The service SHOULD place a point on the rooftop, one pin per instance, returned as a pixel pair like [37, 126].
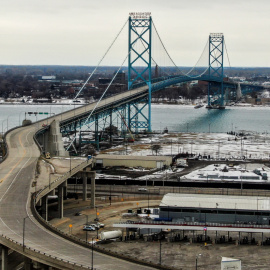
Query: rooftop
[247, 203]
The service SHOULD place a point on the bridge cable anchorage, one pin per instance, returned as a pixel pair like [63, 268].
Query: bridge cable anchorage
[101, 60]
[181, 72]
[89, 116]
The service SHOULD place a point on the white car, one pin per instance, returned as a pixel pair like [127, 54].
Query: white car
[142, 189]
[89, 228]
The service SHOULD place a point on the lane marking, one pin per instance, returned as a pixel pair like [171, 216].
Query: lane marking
[14, 166]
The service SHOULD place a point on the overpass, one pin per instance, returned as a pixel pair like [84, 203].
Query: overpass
[20, 231]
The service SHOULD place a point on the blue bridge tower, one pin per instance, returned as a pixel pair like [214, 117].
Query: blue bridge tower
[216, 72]
[139, 67]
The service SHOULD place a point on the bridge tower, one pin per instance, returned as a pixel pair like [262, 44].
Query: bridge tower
[215, 71]
[139, 66]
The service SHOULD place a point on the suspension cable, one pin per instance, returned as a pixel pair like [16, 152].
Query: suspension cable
[182, 73]
[89, 116]
[101, 60]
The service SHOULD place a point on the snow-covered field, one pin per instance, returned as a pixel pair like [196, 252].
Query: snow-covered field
[217, 145]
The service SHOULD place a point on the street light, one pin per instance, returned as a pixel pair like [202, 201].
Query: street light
[24, 229]
[86, 232]
[20, 117]
[197, 256]
[92, 254]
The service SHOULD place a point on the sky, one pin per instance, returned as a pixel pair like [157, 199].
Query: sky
[69, 32]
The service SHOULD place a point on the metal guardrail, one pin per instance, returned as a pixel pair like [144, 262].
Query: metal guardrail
[61, 179]
[31, 252]
[205, 224]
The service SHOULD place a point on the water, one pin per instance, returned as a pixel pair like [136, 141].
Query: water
[174, 117]
[186, 118]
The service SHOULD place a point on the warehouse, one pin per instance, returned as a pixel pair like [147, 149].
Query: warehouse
[149, 162]
[223, 209]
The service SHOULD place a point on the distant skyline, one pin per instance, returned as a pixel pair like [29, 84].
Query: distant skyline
[79, 32]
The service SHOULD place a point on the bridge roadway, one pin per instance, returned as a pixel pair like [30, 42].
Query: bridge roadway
[17, 172]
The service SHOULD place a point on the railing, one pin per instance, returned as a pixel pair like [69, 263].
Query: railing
[204, 224]
[58, 181]
[34, 253]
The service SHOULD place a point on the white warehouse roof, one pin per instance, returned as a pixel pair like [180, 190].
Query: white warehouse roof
[216, 202]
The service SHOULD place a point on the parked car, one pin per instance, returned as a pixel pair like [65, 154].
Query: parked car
[142, 189]
[97, 225]
[101, 225]
[88, 228]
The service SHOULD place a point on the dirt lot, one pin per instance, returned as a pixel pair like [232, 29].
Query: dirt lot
[181, 255]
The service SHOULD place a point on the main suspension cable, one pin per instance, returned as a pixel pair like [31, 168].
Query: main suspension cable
[101, 60]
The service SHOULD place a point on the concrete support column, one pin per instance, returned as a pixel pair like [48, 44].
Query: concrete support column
[27, 263]
[93, 188]
[52, 192]
[84, 176]
[4, 257]
[65, 189]
[60, 201]
[40, 266]
[44, 207]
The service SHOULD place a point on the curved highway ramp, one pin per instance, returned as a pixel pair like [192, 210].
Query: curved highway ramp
[17, 172]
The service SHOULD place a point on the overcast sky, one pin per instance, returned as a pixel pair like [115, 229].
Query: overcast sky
[78, 32]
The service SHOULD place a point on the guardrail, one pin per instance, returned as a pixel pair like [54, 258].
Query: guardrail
[96, 248]
[41, 256]
[205, 224]
[61, 179]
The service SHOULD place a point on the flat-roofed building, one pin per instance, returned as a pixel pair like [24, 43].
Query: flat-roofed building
[216, 208]
[149, 162]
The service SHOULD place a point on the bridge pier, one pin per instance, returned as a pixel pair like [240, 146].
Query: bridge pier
[27, 263]
[40, 266]
[44, 207]
[93, 189]
[61, 200]
[84, 176]
[92, 176]
[4, 256]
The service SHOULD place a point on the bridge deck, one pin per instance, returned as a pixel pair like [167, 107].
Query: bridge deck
[17, 173]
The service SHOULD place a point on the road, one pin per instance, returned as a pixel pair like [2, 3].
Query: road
[17, 173]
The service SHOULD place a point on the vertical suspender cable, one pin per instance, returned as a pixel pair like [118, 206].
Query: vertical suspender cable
[101, 60]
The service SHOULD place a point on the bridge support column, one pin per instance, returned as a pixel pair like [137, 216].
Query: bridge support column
[27, 263]
[40, 266]
[61, 200]
[4, 257]
[44, 207]
[93, 189]
[84, 176]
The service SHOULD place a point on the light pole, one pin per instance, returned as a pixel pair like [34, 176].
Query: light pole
[197, 256]
[69, 162]
[2, 126]
[160, 250]
[86, 232]
[24, 229]
[20, 117]
[92, 254]
[7, 122]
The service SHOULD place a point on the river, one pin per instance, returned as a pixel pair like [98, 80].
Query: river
[177, 118]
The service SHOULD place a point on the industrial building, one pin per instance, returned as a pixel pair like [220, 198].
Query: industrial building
[149, 162]
[203, 208]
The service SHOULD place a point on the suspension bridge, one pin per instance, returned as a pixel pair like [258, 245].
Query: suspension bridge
[20, 231]
[134, 107]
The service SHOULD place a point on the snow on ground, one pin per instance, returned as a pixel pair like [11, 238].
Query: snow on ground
[222, 172]
[217, 145]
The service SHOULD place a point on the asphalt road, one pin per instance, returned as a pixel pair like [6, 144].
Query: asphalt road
[17, 173]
